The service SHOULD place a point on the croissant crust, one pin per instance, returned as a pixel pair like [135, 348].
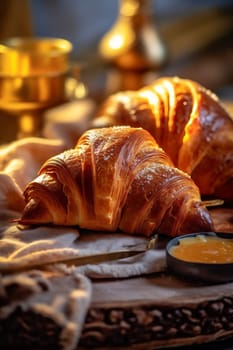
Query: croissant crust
[116, 178]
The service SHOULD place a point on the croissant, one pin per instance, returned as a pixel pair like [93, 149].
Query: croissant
[116, 178]
[187, 121]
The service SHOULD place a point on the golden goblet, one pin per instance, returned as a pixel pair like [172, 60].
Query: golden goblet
[33, 73]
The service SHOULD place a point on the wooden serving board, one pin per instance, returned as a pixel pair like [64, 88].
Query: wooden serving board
[159, 310]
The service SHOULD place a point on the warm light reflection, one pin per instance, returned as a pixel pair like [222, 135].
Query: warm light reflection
[195, 107]
[129, 8]
[116, 41]
[172, 103]
[27, 124]
[80, 91]
[150, 96]
[75, 89]
[152, 99]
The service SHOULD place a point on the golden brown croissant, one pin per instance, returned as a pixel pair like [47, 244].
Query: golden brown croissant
[116, 178]
[187, 121]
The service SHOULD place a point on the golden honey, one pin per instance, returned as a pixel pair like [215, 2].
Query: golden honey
[204, 249]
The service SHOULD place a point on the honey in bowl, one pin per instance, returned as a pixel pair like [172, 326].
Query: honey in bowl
[204, 249]
[203, 257]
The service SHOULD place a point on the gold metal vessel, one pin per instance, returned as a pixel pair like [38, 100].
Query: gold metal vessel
[33, 74]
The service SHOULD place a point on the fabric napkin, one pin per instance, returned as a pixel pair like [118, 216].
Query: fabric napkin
[19, 163]
[43, 310]
[22, 247]
[48, 292]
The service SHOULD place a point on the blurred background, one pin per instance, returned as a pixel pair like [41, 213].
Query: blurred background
[198, 33]
[194, 38]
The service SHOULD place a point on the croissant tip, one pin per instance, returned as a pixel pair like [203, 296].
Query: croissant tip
[14, 221]
[35, 213]
[20, 223]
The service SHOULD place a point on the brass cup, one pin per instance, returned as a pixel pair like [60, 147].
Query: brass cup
[33, 73]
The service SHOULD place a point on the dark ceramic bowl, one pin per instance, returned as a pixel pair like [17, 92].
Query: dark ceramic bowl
[203, 272]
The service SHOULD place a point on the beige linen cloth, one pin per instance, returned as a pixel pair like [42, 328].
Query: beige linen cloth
[19, 163]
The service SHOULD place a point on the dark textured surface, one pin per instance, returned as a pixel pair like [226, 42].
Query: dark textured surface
[127, 326]
[28, 330]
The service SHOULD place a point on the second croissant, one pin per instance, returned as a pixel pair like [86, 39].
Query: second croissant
[187, 121]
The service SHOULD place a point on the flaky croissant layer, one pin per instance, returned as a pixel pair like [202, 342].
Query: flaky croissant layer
[116, 178]
[187, 121]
